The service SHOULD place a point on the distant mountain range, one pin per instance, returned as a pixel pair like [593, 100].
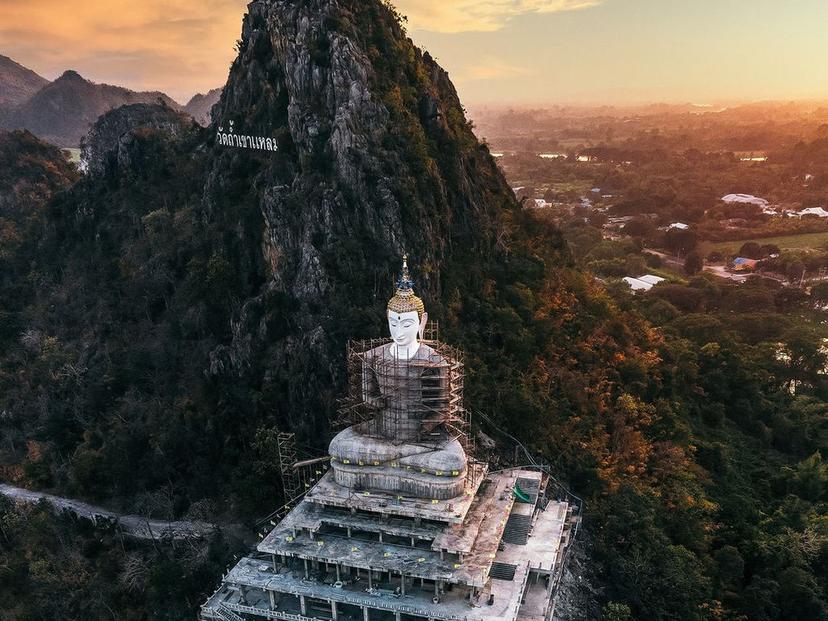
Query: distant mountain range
[17, 83]
[61, 112]
[200, 106]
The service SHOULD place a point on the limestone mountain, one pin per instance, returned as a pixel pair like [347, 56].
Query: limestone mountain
[64, 110]
[201, 105]
[205, 287]
[17, 83]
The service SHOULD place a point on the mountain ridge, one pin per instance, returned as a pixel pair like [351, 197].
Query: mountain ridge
[17, 83]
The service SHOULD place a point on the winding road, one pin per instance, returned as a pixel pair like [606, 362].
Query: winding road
[133, 525]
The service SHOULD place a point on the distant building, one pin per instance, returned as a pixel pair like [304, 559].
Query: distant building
[745, 198]
[642, 283]
[652, 279]
[819, 212]
[742, 264]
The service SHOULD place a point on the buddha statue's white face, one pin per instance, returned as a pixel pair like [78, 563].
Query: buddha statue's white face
[405, 330]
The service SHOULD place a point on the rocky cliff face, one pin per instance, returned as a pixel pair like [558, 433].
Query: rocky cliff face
[375, 158]
[109, 142]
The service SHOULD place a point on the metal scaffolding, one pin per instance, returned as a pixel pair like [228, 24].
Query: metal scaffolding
[291, 482]
[417, 400]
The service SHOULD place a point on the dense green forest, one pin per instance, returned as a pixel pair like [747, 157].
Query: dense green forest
[695, 443]
[691, 419]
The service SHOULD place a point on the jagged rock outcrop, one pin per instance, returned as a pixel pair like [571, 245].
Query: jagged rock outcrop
[64, 110]
[109, 141]
[201, 105]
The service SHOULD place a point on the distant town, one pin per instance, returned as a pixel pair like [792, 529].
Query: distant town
[659, 193]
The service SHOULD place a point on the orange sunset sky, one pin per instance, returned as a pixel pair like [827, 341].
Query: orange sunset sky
[497, 51]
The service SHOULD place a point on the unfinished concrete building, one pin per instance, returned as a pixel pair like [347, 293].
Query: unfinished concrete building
[406, 525]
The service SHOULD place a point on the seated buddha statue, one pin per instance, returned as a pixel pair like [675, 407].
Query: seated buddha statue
[404, 448]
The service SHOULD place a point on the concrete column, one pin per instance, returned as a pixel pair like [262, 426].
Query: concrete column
[272, 600]
[380, 536]
[402, 583]
[306, 569]
[397, 616]
[370, 580]
[365, 615]
[302, 607]
[337, 572]
[413, 544]
[349, 531]
[442, 554]
[436, 588]
[333, 611]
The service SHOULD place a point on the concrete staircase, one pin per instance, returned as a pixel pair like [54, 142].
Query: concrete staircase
[503, 571]
[530, 487]
[517, 529]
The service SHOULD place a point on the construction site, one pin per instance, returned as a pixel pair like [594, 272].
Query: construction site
[402, 521]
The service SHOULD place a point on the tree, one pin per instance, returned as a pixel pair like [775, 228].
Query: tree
[681, 241]
[693, 264]
[639, 227]
[796, 270]
[615, 611]
[790, 299]
[751, 250]
[819, 293]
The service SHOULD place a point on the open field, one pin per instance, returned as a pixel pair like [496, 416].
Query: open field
[803, 241]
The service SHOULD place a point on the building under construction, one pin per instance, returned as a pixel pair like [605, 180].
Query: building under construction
[406, 524]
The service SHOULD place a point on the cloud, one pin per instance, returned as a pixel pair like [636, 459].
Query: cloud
[179, 47]
[478, 15]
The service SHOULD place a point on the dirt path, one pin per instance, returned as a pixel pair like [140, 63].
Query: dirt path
[133, 525]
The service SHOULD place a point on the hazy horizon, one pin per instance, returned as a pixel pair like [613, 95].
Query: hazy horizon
[527, 53]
